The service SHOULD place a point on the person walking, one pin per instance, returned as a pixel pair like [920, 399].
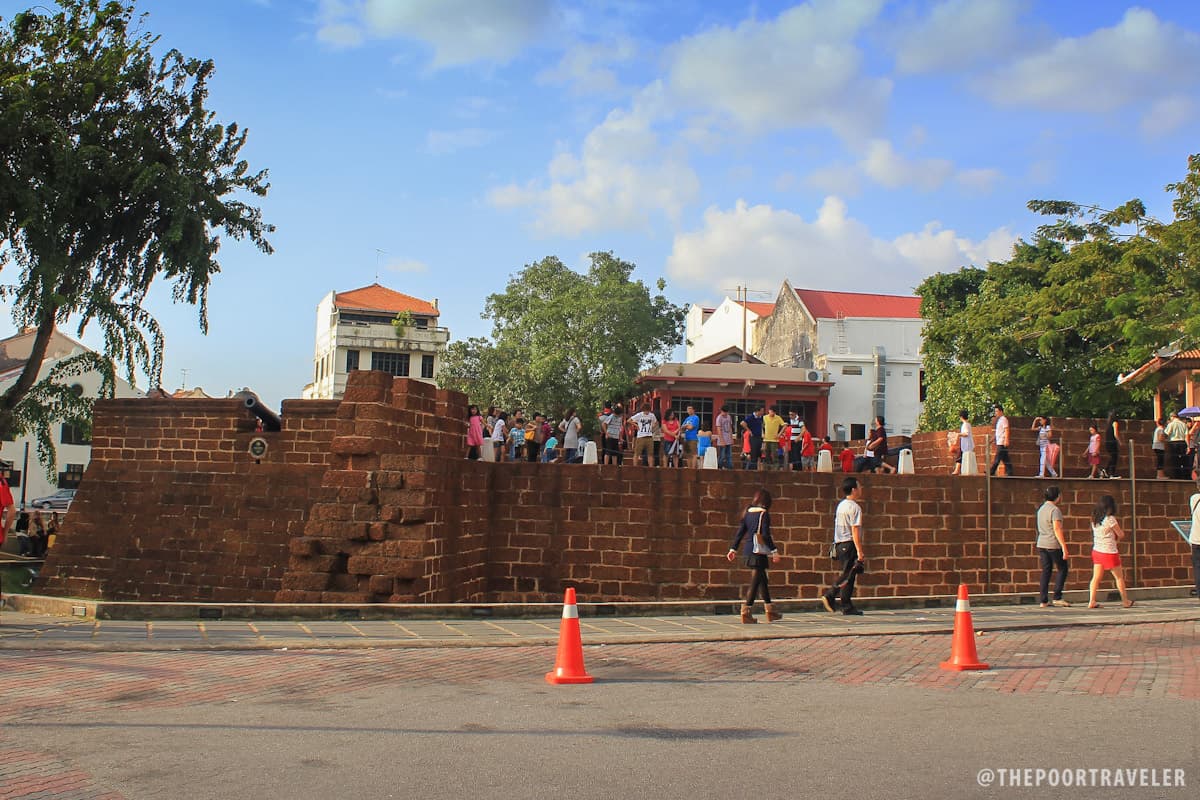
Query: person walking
[772, 423]
[612, 421]
[1045, 438]
[672, 440]
[1158, 443]
[966, 440]
[847, 549]
[1106, 557]
[499, 436]
[1194, 537]
[1112, 445]
[1001, 442]
[474, 432]
[808, 450]
[723, 433]
[876, 450]
[1052, 548]
[795, 433]
[755, 529]
[1093, 450]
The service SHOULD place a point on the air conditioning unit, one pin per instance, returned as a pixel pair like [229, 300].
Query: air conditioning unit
[814, 375]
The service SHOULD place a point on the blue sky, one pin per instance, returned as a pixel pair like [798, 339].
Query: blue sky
[843, 144]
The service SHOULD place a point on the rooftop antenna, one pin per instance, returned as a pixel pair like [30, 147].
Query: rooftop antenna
[183, 373]
[378, 257]
[742, 293]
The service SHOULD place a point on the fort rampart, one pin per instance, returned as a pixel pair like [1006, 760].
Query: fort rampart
[370, 500]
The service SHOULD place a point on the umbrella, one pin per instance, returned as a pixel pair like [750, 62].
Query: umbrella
[1190, 411]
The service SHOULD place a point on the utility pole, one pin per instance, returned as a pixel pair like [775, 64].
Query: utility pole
[743, 296]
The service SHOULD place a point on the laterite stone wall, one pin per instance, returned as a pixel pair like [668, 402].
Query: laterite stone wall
[371, 500]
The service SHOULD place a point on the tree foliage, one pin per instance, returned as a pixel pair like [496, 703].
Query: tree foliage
[564, 339]
[114, 173]
[1047, 332]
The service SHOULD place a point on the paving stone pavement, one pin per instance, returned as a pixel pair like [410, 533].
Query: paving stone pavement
[1144, 657]
[20, 631]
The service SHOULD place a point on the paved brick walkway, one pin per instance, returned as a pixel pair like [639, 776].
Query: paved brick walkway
[1143, 660]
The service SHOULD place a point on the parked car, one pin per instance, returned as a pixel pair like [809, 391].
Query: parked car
[60, 499]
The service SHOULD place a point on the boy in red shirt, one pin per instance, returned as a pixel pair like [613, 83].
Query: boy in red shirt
[847, 460]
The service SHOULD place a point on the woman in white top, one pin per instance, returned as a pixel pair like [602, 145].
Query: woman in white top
[1045, 435]
[1106, 532]
[1158, 443]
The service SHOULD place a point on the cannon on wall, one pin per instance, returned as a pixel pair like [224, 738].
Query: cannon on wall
[270, 420]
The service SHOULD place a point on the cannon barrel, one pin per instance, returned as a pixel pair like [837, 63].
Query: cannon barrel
[270, 420]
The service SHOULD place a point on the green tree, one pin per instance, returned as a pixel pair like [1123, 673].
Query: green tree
[564, 339]
[115, 172]
[1048, 331]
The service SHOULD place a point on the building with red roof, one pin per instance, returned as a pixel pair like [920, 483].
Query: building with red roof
[377, 328]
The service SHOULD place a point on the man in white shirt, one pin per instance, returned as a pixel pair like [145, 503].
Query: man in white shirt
[570, 427]
[1194, 538]
[1001, 441]
[643, 444]
[847, 548]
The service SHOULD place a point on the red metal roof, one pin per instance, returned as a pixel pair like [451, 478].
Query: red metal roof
[830, 305]
[762, 309]
[1186, 359]
[379, 298]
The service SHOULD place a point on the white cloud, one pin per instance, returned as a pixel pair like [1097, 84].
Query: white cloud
[958, 34]
[1138, 60]
[407, 265]
[886, 167]
[585, 69]
[459, 31]
[1167, 115]
[622, 178]
[446, 142]
[834, 251]
[802, 69]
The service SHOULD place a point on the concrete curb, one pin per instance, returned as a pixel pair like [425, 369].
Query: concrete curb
[136, 611]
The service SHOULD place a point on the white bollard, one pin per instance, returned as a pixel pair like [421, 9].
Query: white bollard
[824, 461]
[487, 451]
[589, 453]
[710, 458]
[969, 465]
[904, 464]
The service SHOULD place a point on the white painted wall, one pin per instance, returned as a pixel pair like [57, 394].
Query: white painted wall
[34, 481]
[851, 400]
[719, 331]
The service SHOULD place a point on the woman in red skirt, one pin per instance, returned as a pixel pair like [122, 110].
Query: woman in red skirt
[1106, 532]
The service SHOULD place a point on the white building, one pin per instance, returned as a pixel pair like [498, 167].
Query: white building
[73, 449]
[355, 331]
[729, 325]
[867, 345]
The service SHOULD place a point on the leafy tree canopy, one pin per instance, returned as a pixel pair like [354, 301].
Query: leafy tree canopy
[563, 339]
[114, 173]
[1047, 332]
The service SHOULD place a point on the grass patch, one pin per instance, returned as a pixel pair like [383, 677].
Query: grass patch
[16, 579]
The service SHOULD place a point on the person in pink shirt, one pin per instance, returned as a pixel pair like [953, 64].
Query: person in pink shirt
[1093, 449]
[474, 432]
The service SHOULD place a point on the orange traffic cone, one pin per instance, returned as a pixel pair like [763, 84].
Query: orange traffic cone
[569, 666]
[962, 652]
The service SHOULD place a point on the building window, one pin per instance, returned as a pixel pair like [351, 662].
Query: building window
[740, 409]
[71, 478]
[858, 431]
[852, 370]
[421, 322]
[703, 406]
[351, 360]
[391, 363]
[426, 366]
[73, 434]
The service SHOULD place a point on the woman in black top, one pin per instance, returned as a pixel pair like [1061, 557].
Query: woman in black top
[759, 546]
[1111, 445]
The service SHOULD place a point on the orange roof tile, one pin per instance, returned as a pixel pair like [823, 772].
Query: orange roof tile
[379, 298]
[762, 309]
[829, 305]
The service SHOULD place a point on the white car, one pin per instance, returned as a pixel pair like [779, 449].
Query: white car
[60, 499]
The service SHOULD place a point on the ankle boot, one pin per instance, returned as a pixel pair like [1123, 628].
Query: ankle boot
[772, 614]
[748, 616]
